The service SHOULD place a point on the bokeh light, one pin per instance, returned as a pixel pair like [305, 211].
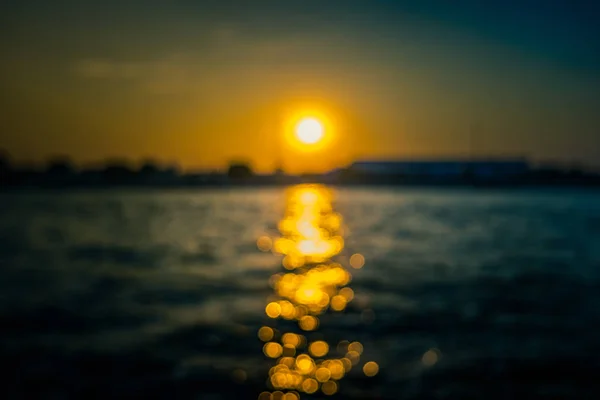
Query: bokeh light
[371, 368]
[312, 285]
[318, 348]
[353, 356]
[347, 363]
[272, 349]
[305, 364]
[264, 396]
[356, 346]
[347, 293]
[338, 303]
[292, 339]
[431, 357]
[336, 367]
[265, 333]
[309, 323]
[310, 386]
[264, 243]
[357, 261]
[289, 350]
[323, 374]
[273, 310]
[329, 388]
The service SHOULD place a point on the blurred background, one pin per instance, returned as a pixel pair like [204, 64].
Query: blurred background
[299, 200]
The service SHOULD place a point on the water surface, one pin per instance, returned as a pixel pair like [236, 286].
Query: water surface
[160, 294]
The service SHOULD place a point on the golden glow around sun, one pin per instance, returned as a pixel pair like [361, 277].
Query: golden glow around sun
[309, 131]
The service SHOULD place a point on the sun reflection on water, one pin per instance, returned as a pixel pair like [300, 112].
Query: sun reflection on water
[311, 234]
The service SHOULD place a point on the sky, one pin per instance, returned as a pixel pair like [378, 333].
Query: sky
[203, 83]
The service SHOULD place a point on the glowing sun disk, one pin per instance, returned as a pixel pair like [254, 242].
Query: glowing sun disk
[309, 131]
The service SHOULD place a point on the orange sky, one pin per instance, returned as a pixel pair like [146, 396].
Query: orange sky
[201, 86]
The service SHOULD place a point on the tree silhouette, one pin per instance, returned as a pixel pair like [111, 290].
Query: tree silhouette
[239, 171]
[150, 167]
[60, 165]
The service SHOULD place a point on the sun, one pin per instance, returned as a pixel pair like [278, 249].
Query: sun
[309, 130]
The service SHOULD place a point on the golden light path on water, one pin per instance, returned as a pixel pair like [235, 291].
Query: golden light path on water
[312, 284]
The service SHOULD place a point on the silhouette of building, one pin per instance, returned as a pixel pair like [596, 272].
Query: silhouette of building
[444, 169]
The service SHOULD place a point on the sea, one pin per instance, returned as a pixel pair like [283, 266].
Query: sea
[464, 293]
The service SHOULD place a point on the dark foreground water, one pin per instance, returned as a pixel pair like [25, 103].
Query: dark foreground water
[464, 294]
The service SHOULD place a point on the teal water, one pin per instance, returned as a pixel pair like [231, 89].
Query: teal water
[160, 294]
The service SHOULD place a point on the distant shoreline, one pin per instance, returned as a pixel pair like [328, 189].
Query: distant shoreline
[471, 173]
[178, 187]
